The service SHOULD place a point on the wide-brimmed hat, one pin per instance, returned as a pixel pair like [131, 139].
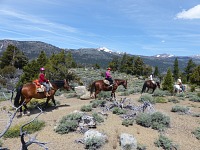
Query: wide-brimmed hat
[109, 68]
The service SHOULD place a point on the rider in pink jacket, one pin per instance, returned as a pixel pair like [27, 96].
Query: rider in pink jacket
[109, 77]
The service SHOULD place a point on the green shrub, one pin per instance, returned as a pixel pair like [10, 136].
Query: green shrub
[194, 98]
[97, 117]
[160, 121]
[147, 97]
[141, 147]
[94, 143]
[180, 94]
[144, 119]
[67, 126]
[160, 100]
[161, 93]
[196, 115]
[86, 108]
[182, 109]
[197, 133]
[118, 111]
[127, 122]
[165, 143]
[126, 93]
[104, 95]
[96, 103]
[192, 89]
[30, 128]
[173, 100]
[68, 123]
[72, 116]
[198, 94]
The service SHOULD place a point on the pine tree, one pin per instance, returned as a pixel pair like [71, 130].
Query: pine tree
[195, 76]
[138, 66]
[189, 68]
[42, 59]
[122, 67]
[114, 64]
[168, 81]
[176, 69]
[156, 72]
[12, 56]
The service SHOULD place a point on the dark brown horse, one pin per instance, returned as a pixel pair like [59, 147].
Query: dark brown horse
[150, 85]
[99, 85]
[29, 91]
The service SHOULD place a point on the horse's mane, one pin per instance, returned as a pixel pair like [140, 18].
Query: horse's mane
[58, 83]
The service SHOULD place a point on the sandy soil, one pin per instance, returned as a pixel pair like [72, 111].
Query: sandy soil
[179, 133]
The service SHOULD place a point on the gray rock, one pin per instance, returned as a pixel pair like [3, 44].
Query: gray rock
[128, 142]
[80, 90]
[95, 134]
[86, 96]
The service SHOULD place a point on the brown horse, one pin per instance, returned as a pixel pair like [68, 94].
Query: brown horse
[99, 86]
[29, 91]
[150, 85]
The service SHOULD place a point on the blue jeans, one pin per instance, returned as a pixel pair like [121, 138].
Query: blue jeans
[46, 85]
[110, 80]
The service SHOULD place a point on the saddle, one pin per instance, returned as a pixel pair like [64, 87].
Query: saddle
[40, 87]
[106, 82]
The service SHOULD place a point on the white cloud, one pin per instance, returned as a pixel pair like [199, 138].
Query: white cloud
[192, 13]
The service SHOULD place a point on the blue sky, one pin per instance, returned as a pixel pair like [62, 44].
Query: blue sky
[140, 27]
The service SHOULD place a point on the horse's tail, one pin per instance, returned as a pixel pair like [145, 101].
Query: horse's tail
[143, 88]
[17, 97]
[92, 88]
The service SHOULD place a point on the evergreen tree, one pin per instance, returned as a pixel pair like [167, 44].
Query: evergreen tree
[147, 70]
[189, 69]
[42, 59]
[123, 63]
[114, 64]
[168, 81]
[96, 66]
[176, 69]
[156, 72]
[30, 72]
[12, 56]
[70, 61]
[195, 76]
[138, 66]
[129, 66]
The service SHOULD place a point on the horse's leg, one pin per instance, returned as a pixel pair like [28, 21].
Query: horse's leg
[96, 92]
[20, 105]
[54, 102]
[47, 101]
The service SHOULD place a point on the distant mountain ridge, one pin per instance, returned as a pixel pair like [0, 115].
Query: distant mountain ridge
[90, 56]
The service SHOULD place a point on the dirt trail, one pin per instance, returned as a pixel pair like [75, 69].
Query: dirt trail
[180, 131]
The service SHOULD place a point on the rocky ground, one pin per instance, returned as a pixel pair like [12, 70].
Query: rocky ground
[179, 132]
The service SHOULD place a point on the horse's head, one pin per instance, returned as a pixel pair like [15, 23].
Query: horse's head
[125, 84]
[66, 85]
[121, 82]
[158, 84]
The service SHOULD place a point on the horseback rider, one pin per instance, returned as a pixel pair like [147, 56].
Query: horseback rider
[151, 78]
[44, 81]
[109, 77]
[179, 82]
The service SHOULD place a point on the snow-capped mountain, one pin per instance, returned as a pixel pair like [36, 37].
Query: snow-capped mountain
[104, 49]
[164, 55]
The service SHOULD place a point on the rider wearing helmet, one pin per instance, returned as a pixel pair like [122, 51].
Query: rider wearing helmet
[109, 77]
[44, 81]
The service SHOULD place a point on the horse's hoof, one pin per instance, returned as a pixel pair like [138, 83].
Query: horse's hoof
[28, 113]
